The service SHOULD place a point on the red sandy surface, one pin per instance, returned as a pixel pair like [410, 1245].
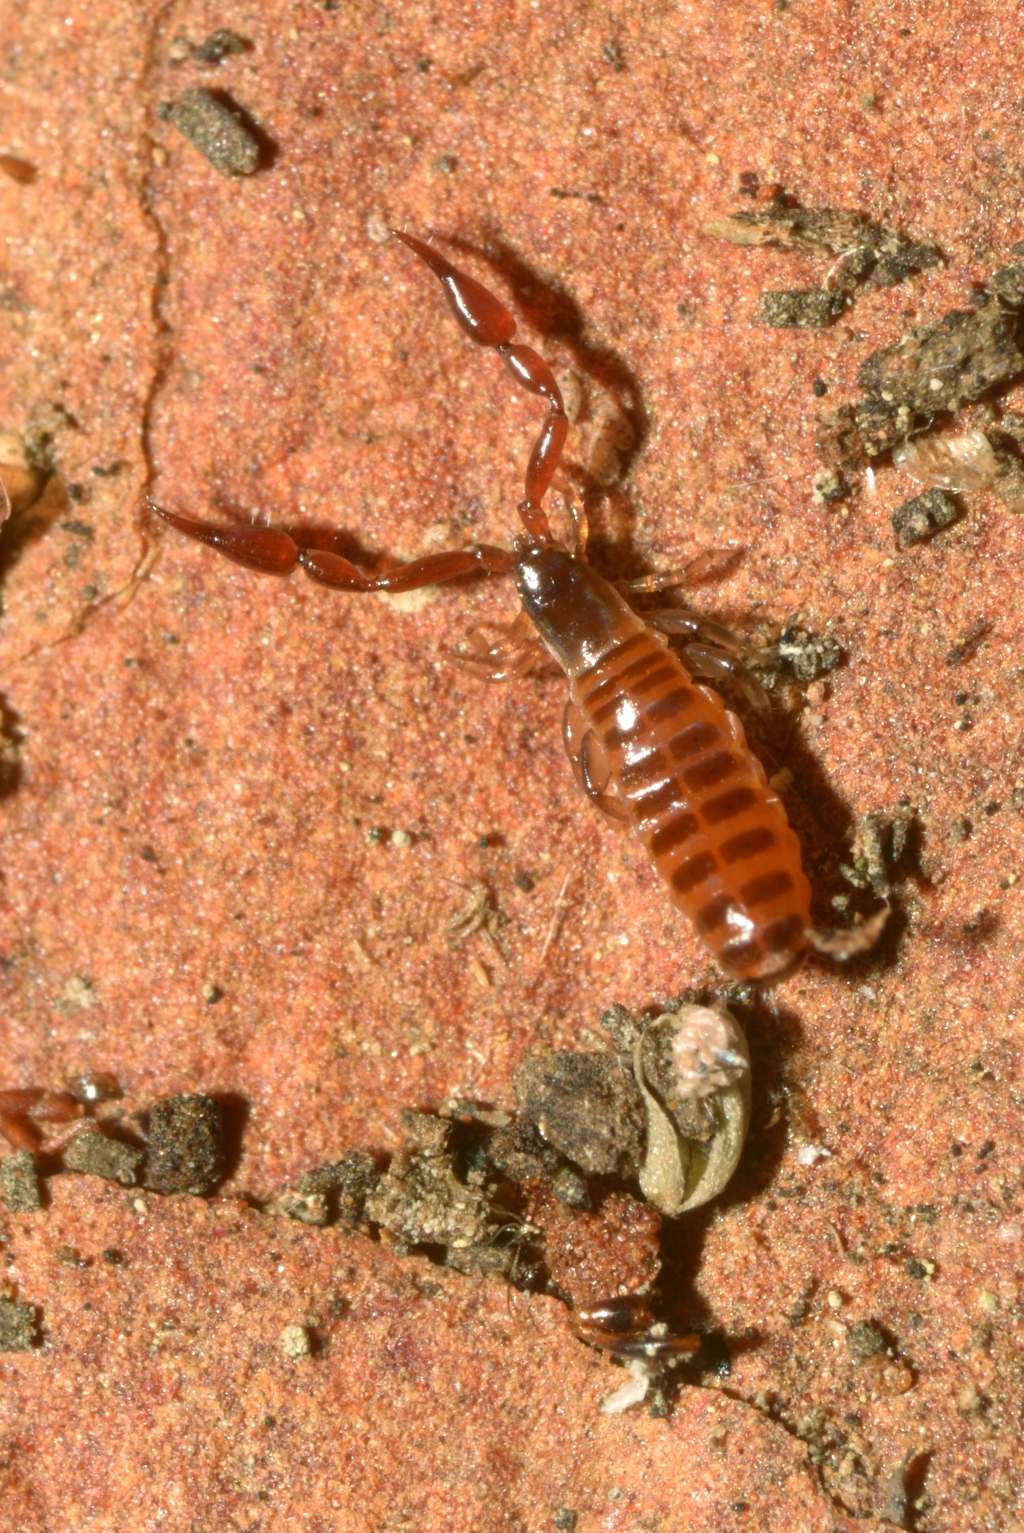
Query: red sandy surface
[204, 753]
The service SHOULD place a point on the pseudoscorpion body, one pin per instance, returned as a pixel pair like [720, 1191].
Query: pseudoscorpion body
[649, 744]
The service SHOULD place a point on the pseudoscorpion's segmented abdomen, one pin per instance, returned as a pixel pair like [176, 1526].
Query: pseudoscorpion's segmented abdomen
[699, 800]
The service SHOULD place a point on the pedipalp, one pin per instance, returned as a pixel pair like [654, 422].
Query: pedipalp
[24, 1108]
[274, 552]
[486, 320]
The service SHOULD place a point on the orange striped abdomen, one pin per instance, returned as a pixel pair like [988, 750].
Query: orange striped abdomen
[700, 802]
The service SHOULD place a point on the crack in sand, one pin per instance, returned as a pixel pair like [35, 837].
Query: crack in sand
[162, 349]
[163, 335]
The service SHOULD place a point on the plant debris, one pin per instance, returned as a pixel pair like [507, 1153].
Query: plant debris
[420, 1199]
[806, 656]
[962, 461]
[828, 487]
[880, 843]
[537, 1196]
[345, 1184]
[967, 460]
[482, 914]
[865, 1340]
[585, 1107]
[934, 369]
[866, 253]
[968, 646]
[692, 1066]
[305, 1207]
[942, 366]
[332, 1193]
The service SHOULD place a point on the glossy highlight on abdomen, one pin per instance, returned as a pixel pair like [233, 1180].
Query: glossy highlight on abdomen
[700, 801]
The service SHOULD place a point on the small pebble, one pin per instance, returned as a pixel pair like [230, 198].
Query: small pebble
[970, 1401]
[1008, 285]
[220, 134]
[220, 45]
[865, 1340]
[829, 486]
[295, 1342]
[306, 1207]
[19, 1182]
[17, 1326]
[94, 1086]
[17, 169]
[924, 515]
[184, 1150]
[79, 993]
[799, 309]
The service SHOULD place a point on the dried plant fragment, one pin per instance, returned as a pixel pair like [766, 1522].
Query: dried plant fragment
[584, 1106]
[933, 370]
[942, 366]
[421, 1200]
[805, 655]
[692, 1066]
[865, 251]
[305, 1207]
[220, 45]
[854, 434]
[799, 308]
[967, 460]
[879, 844]
[344, 1185]
[480, 914]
